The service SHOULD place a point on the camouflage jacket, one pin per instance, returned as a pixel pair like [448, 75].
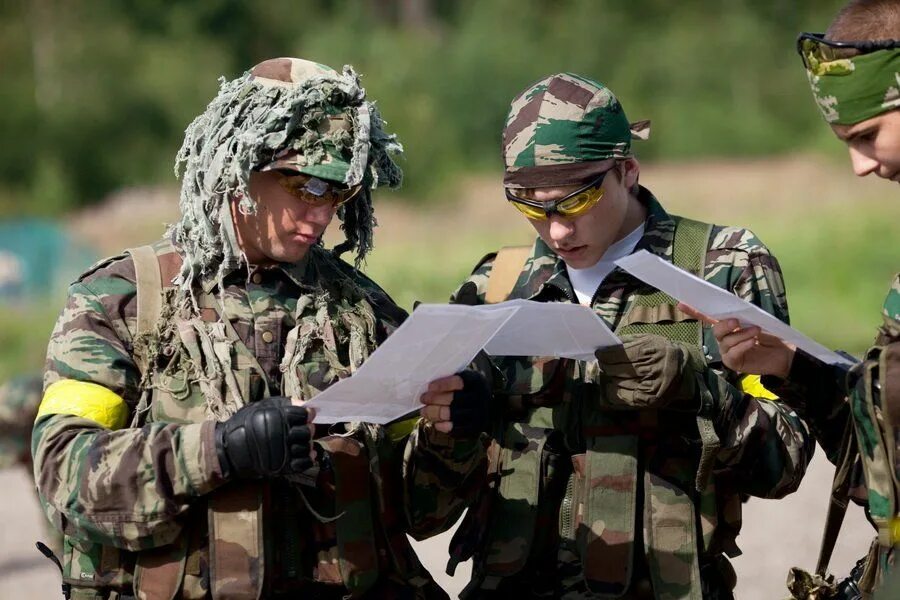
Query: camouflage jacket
[868, 396]
[131, 498]
[591, 503]
[19, 400]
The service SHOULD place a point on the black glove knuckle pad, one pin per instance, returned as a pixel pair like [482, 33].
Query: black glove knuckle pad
[267, 438]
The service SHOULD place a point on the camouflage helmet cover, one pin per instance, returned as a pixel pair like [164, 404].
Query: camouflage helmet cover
[563, 130]
[285, 113]
[330, 124]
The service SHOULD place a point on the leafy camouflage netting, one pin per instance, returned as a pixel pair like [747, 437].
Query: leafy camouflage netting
[249, 122]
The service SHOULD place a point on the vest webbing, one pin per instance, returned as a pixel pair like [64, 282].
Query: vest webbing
[235, 511]
[690, 243]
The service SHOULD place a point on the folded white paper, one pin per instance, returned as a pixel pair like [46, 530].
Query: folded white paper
[718, 303]
[439, 339]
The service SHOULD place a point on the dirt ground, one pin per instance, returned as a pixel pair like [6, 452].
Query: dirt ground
[777, 534]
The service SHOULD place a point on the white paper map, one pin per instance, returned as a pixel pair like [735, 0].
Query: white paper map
[718, 303]
[441, 339]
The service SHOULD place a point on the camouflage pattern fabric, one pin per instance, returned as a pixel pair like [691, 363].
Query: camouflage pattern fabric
[821, 396]
[875, 409]
[631, 497]
[137, 497]
[19, 401]
[854, 89]
[561, 128]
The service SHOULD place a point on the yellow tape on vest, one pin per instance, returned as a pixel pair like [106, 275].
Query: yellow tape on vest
[87, 400]
[751, 384]
[399, 430]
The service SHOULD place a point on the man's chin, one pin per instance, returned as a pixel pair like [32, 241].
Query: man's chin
[290, 255]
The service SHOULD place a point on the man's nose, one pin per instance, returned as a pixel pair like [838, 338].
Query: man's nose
[560, 228]
[320, 214]
[862, 164]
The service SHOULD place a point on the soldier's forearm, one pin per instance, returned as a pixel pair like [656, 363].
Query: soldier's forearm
[818, 393]
[763, 440]
[125, 488]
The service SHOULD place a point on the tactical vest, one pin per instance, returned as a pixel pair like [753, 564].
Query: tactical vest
[354, 501]
[545, 497]
[875, 405]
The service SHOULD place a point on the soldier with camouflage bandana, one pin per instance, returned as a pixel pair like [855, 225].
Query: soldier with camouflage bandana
[854, 72]
[620, 478]
[171, 446]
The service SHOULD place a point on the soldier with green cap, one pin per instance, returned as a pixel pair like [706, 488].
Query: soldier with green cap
[171, 445]
[854, 72]
[620, 477]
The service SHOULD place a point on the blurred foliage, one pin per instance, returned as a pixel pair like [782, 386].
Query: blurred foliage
[96, 94]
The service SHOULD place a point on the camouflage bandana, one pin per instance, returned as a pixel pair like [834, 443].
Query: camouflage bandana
[284, 113]
[851, 90]
[563, 130]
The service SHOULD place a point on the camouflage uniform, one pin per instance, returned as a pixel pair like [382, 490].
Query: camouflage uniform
[591, 502]
[855, 415]
[19, 400]
[830, 399]
[141, 495]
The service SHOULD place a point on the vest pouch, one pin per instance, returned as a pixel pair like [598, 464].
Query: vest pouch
[605, 538]
[159, 572]
[515, 512]
[236, 551]
[95, 571]
[671, 539]
[175, 400]
[352, 557]
[660, 319]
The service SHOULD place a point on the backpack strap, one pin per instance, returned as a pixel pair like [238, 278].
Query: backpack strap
[505, 271]
[149, 287]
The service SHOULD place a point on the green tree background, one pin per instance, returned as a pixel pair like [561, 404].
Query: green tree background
[96, 94]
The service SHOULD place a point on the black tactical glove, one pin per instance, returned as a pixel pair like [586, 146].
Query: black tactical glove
[649, 371]
[470, 410]
[264, 439]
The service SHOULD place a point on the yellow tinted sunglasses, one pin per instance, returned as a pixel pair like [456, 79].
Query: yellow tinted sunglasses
[316, 192]
[571, 205]
[814, 49]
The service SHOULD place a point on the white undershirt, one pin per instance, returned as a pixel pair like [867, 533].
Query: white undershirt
[586, 281]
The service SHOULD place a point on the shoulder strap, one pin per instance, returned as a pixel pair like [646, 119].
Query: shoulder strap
[149, 287]
[689, 248]
[837, 506]
[690, 245]
[505, 271]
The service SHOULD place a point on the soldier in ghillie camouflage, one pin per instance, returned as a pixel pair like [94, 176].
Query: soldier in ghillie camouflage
[171, 445]
[854, 72]
[621, 477]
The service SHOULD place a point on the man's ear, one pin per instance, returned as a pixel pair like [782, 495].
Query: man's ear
[631, 170]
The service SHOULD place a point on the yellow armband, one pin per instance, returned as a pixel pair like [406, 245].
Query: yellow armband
[752, 384]
[86, 400]
[399, 430]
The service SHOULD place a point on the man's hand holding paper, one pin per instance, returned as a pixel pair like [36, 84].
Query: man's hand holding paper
[717, 304]
[747, 349]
